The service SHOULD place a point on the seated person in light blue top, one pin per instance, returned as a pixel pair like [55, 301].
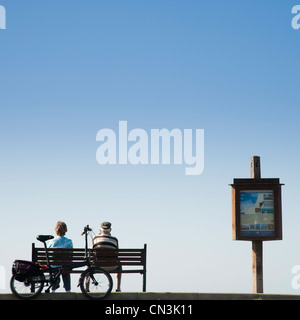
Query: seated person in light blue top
[61, 242]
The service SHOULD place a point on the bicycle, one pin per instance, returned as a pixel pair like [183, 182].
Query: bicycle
[28, 278]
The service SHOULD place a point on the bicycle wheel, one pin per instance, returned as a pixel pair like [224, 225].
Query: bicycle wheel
[27, 289]
[96, 283]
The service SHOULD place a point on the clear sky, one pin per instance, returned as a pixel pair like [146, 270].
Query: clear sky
[71, 68]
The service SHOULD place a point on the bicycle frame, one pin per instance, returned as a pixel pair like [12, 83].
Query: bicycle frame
[56, 271]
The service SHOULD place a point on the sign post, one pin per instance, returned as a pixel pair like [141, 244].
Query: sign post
[256, 215]
[257, 245]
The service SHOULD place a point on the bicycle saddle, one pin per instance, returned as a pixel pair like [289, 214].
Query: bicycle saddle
[44, 238]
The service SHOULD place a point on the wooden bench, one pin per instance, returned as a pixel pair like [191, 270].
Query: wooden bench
[131, 260]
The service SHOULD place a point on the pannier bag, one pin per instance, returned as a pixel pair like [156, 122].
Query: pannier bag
[23, 269]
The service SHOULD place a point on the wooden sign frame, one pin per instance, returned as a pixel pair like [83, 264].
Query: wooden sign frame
[271, 186]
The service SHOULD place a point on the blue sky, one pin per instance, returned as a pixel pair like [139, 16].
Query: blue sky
[71, 68]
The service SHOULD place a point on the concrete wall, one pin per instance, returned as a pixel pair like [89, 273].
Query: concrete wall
[162, 296]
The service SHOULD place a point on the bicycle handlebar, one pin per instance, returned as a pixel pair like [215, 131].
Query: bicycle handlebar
[86, 229]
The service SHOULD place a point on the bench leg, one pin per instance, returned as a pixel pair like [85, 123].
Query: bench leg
[144, 281]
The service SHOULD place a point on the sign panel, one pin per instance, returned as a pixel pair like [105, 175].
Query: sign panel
[257, 213]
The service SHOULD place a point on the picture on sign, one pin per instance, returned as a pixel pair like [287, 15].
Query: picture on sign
[257, 213]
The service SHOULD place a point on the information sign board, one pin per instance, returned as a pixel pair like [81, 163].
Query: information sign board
[256, 209]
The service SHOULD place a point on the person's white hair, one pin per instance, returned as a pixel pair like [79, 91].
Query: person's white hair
[105, 231]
